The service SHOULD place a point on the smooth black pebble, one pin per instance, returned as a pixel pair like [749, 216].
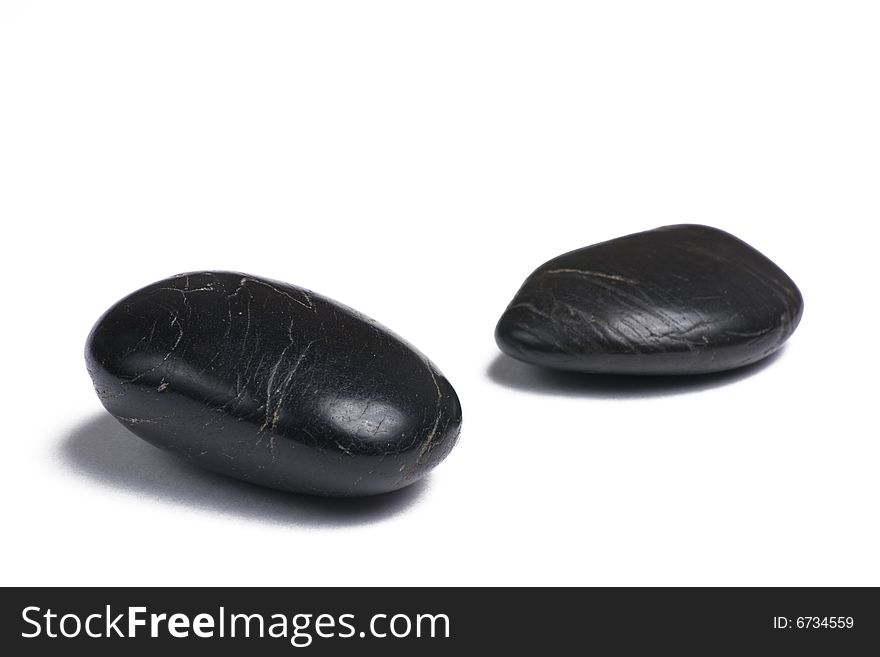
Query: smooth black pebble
[685, 299]
[272, 384]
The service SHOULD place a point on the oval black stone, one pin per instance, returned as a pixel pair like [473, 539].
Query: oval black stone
[682, 299]
[272, 384]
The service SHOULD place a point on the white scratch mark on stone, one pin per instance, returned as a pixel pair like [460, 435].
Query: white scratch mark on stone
[592, 274]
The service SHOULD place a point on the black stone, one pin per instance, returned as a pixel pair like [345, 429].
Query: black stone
[676, 300]
[272, 384]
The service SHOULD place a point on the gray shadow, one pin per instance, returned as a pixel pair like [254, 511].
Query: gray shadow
[512, 373]
[106, 452]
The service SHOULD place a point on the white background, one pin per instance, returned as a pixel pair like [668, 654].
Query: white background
[416, 161]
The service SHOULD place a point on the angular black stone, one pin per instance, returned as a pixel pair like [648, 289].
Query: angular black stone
[273, 384]
[683, 299]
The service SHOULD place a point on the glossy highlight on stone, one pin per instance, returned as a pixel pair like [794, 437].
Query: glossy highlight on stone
[273, 384]
[685, 299]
